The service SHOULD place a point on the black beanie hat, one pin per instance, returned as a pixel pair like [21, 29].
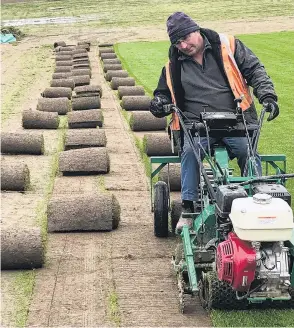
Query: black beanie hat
[179, 25]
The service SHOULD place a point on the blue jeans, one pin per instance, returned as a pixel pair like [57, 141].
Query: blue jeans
[237, 147]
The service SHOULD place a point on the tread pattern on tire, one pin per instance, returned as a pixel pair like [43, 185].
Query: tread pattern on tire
[161, 196]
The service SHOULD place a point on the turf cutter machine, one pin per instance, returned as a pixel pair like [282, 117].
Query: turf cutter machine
[240, 249]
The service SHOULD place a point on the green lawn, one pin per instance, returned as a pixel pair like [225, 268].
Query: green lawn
[148, 12]
[144, 61]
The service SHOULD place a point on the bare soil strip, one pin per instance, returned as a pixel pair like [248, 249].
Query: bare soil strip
[85, 272]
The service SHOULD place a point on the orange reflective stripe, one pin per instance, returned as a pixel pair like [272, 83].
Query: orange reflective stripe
[236, 80]
[175, 124]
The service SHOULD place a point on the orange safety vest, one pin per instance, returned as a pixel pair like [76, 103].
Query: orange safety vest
[237, 82]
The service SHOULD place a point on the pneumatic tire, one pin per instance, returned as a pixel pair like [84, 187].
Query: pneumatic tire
[161, 197]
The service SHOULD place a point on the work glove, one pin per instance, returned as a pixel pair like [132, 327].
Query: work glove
[157, 106]
[271, 107]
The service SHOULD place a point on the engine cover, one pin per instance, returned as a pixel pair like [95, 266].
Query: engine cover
[236, 262]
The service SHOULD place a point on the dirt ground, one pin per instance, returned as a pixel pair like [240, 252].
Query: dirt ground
[84, 272]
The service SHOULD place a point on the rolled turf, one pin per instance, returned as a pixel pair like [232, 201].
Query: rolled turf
[102, 45]
[80, 56]
[85, 119]
[64, 75]
[85, 138]
[145, 121]
[64, 63]
[135, 102]
[117, 73]
[14, 177]
[130, 91]
[63, 58]
[21, 248]
[158, 144]
[63, 69]
[81, 80]
[22, 143]
[68, 83]
[121, 81]
[108, 56]
[83, 46]
[58, 105]
[79, 51]
[88, 42]
[111, 61]
[93, 88]
[92, 160]
[86, 103]
[57, 92]
[81, 66]
[35, 119]
[99, 212]
[174, 174]
[112, 67]
[105, 50]
[79, 72]
[67, 49]
[59, 44]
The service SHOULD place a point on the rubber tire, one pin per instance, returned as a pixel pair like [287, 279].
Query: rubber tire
[219, 294]
[161, 196]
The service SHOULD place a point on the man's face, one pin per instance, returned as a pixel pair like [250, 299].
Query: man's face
[191, 44]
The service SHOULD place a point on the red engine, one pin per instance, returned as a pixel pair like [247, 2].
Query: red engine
[236, 262]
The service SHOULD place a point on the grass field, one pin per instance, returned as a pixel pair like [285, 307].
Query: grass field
[144, 61]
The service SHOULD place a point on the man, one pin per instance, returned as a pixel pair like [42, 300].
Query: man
[207, 70]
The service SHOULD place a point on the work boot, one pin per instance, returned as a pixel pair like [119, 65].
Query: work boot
[186, 215]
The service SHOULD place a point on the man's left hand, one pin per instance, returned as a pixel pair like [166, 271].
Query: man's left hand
[272, 107]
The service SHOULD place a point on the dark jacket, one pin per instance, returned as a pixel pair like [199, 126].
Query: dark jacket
[249, 65]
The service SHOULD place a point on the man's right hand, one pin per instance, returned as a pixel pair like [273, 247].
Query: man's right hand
[156, 106]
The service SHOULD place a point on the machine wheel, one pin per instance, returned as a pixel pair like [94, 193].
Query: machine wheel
[215, 294]
[161, 196]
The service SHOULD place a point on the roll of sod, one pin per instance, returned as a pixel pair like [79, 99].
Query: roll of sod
[81, 72]
[111, 61]
[59, 44]
[86, 94]
[157, 144]
[57, 92]
[99, 212]
[87, 89]
[135, 102]
[22, 143]
[112, 67]
[67, 49]
[79, 51]
[145, 121]
[64, 75]
[85, 119]
[35, 119]
[81, 66]
[174, 174]
[121, 81]
[64, 63]
[176, 210]
[105, 45]
[106, 50]
[63, 69]
[83, 46]
[63, 58]
[92, 160]
[86, 103]
[14, 177]
[21, 249]
[80, 56]
[85, 138]
[87, 42]
[58, 105]
[69, 83]
[81, 80]
[130, 91]
[108, 56]
[110, 74]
